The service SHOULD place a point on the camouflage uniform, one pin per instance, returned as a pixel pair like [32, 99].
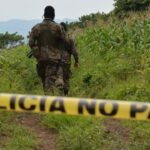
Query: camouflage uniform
[70, 49]
[45, 40]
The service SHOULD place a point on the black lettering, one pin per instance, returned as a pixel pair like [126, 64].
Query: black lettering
[42, 103]
[89, 107]
[22, 105]
[135, 110]
[103, 111]
[12, 102]
[54, 106]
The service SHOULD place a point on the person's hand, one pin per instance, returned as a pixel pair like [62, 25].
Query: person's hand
[76, 65]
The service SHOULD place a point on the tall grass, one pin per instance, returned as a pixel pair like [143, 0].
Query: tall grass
[114, 64]
[17, 72]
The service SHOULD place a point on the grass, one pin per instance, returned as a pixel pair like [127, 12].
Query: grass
[114, 64]
[14, 136]
[15, 69]
[139, 135]
[20, 138]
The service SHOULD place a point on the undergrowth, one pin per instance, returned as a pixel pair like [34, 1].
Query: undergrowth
[114, 64]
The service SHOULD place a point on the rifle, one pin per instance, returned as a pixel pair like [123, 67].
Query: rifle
[30, 54]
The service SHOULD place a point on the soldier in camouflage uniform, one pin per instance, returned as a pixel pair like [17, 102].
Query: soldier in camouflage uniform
[69, 49]
[45, 40]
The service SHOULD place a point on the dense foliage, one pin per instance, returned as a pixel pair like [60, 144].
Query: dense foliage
[114, 64]
[131, 5]
[10, 40]
[115, 61]
[121, 10]
[17, 71]
[85, 20]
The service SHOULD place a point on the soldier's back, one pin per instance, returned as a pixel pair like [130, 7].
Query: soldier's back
[48, 40]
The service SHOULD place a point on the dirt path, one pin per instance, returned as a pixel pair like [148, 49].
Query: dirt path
[47, 137]
[113, 127]
[3, 139]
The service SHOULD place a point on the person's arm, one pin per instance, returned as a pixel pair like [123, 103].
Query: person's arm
[74, 53]
[61, 36]
[33, 39]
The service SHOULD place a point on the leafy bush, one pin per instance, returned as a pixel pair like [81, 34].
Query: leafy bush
[10, 40]
[131, 5]
[17, 72]
[114, 64]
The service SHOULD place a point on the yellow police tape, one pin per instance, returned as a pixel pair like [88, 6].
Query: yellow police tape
[75, 106]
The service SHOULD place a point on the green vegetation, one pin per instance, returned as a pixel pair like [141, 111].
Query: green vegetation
[10, 40]
[114, 64]
[17, 75]
[123, 9]
[17, 72]
[91, 19]
[118, 64]
[14, 136]
[131, 5]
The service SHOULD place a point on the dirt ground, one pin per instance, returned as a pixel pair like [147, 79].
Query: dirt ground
[46, 137]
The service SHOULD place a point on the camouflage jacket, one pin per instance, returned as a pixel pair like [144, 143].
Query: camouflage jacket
[45, 40]
[70, 49]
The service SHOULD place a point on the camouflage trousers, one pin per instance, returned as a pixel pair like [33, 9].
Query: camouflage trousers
[51, 74]
[66, 77]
